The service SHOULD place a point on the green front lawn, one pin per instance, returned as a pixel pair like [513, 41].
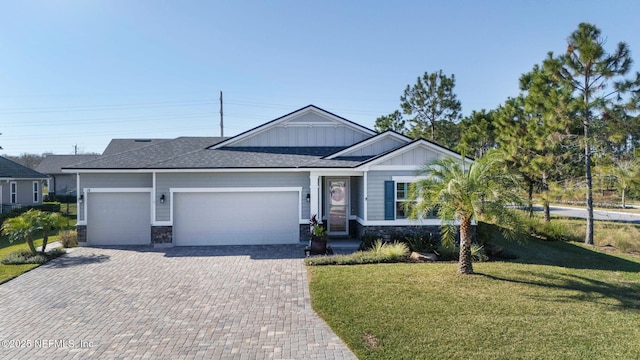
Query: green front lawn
[557, 300]
[8, 272]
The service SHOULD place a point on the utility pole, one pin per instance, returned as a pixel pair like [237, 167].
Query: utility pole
[75, 149]
[221, 117]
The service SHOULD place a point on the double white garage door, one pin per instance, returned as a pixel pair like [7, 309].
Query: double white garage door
[199, 218]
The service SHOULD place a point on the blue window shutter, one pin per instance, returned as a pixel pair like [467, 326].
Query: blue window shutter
[389, 199]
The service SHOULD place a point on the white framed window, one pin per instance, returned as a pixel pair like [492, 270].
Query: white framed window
[402, 194]
[36, 191]
[402, 187]
[13, 187]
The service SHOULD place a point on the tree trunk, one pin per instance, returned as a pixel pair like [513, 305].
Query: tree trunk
[31, 246]
[624, 202]
[587, 164]
[45, 240]
[433, 131]
[530, 199]
[465, 265]
[547, 211]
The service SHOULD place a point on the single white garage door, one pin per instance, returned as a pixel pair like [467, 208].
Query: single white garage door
[236, 218]
[118, 218]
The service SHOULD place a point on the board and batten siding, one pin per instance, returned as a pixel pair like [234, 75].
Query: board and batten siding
[417, 156]
[166, 181]
[305, 136]
[378, 147]
[375, 191]
[111, 180]
[24, 192]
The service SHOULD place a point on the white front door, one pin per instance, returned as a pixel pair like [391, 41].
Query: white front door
[337, 190]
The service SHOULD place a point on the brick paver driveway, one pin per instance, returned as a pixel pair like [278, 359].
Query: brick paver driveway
[245, 302]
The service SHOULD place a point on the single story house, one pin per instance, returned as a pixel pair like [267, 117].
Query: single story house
[59, 183]
[19, 185]
[258, 187]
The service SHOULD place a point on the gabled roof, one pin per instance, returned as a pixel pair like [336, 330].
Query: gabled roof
[289, 117]
[147, 156]
[12, 170]
[120, 145]
[364, 143]
[408, 147]
[53, 164]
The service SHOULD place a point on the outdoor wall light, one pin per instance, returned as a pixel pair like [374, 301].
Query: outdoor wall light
[308, 197]
[162, 199]
[81, 198]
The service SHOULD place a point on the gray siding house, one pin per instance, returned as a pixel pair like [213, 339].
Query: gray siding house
[259, 187]
[19, 185]
[59, 183]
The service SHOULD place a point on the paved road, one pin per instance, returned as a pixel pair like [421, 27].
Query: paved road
[248, 302]
[609, 215]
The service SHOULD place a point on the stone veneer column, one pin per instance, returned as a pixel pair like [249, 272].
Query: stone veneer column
[162, 236]
[82, 234]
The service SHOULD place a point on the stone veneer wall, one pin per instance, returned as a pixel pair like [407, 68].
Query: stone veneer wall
[305, 232]
[388, 230]
[162, 235]
[82, 233]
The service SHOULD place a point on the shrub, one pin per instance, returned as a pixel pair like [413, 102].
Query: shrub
[425, 242]
[379, 253]
[68, 238]
[367, 241]
[21, 257]
[477, 253]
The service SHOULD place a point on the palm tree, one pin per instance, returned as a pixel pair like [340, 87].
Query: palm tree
[627, 175]
[462, 192]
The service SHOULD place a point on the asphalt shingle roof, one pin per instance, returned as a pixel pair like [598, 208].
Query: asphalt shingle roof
[121, 145]
[53, 164]
[148, 156]
[12, 170]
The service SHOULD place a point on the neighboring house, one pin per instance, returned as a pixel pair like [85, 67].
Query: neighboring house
[259, 187]
[59, 183]
[19, 185]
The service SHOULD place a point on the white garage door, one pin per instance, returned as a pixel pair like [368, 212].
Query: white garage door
[118, 218]
[237, 218]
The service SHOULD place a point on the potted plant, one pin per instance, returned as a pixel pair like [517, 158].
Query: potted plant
[318, 238]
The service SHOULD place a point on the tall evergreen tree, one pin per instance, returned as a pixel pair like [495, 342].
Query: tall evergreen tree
[430, 101]
[478, 133]
[393, 121]
[598, 80]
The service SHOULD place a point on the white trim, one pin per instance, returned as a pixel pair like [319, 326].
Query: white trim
[154, 192]
[366, 195]
[297, 189]
[341, 171]
[408, 179]
[36, 191]
[395, 168]
[12, 192]
[118, 190]
[402, 222]
[368, 142]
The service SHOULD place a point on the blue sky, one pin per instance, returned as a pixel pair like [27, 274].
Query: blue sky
[80, 73]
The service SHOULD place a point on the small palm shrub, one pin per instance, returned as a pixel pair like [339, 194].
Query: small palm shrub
[68, 238]
[425, 242]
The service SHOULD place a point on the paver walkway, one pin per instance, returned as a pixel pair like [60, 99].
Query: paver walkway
[241, 302]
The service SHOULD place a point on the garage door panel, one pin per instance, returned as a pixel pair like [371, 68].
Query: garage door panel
[118, 218]
[220, 218]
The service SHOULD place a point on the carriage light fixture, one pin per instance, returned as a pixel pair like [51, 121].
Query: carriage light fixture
[162, 199]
